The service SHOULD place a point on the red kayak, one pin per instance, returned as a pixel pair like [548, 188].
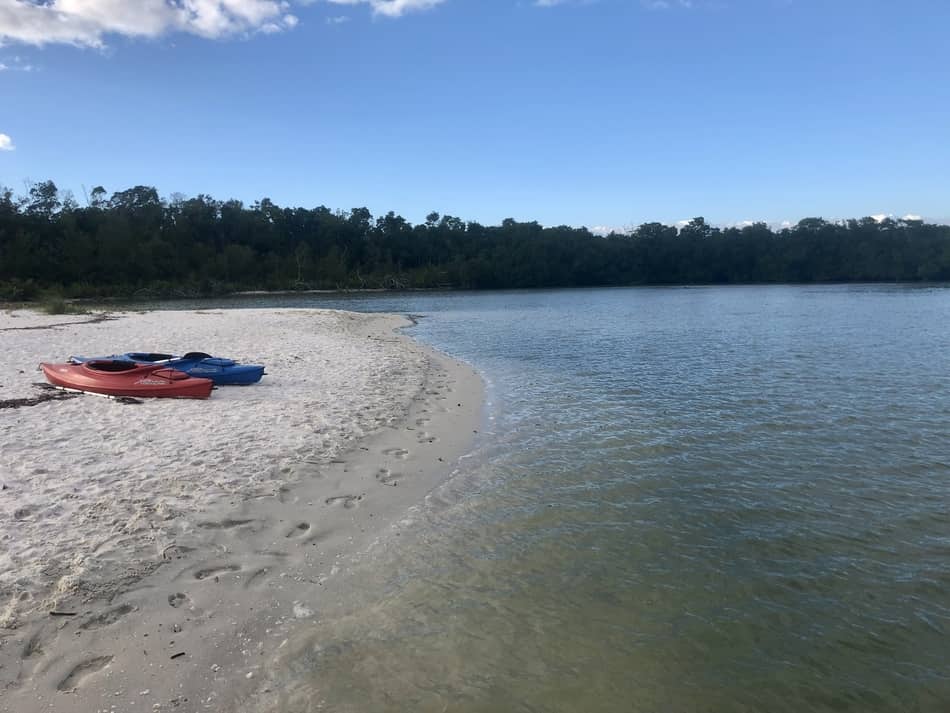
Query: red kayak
[126, 378]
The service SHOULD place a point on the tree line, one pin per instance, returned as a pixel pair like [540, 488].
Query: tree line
[134, 242]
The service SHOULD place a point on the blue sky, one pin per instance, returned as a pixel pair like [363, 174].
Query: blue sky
[588, 112]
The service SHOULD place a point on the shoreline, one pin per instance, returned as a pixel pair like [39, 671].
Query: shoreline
[194, 632]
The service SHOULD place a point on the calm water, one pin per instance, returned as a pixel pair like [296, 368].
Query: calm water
[711, 499]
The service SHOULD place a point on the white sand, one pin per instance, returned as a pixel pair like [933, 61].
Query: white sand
[203, 524]
[94, 486]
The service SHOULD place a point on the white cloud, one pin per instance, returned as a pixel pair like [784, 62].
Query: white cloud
[748, 223]
[881, 217]
[603, 230]
[87, 22]
[777, 225]
[16, 64]
[391, 8]
[6, 143]
[337, 20]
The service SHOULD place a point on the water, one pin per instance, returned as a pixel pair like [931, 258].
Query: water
[710, 499]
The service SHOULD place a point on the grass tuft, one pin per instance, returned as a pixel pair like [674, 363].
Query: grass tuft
[55, 304]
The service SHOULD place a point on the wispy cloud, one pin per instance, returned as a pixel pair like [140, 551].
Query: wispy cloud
[6, 143]
[391, 8]
[337, 20]
[16, 64]
[555, 3]
[87, 22]
[667, 4]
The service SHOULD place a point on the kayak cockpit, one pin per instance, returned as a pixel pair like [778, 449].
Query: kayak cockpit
[111, 365]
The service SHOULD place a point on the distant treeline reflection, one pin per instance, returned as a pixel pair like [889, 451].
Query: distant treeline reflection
[135, 242]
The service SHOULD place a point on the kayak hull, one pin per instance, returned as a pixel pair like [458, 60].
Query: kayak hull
[223, 372]
[122, 378]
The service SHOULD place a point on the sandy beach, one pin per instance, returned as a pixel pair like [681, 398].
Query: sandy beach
[154, 555]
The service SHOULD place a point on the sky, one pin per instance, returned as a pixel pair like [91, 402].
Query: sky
[601, 113]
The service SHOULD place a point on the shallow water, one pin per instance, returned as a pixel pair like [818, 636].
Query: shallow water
[704, 499]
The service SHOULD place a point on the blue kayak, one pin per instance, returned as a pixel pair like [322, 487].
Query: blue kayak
[220, 371]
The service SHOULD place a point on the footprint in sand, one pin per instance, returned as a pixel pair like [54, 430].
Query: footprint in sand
[426, 437]
[298, 530]
[347, 501]
[34, 646]
[400, 453]
[176, 552]
[216, 571]
[387, 477]
[107, 617]
[177, 599]
[256, 576]
[317, 537]
[423, 421]
[82, 671]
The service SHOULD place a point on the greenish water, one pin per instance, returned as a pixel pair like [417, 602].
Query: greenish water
[710, 499]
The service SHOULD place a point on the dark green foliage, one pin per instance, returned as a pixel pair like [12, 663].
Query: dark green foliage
[135, 243]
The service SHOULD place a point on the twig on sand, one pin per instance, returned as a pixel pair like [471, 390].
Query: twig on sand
[50, 394]
[127, 400]
[62, 613]
[55, 393]
[104, 317]
[175, 656]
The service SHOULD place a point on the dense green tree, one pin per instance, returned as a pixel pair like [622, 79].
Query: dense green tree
[134, 242]
[43, 199]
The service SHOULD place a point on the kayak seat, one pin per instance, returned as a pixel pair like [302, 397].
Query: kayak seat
[149, 356]
[112, 366]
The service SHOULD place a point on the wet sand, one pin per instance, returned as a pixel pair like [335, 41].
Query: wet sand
[174, 576]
